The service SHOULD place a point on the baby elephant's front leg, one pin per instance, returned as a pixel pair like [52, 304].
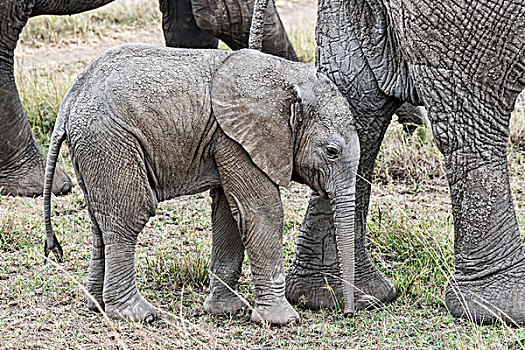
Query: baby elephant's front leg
[226, 259]
[262, 226]
[256, 206]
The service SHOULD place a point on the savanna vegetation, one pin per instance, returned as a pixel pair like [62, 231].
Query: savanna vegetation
[410, 225]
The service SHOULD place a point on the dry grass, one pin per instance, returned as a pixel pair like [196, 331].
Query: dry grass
[409, 158]
[410, 225]
[111, 20]
[303, 42]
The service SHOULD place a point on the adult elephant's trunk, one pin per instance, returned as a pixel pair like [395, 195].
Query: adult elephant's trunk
[343, 206]
[260, 11]
[21, 158]
[66, 7]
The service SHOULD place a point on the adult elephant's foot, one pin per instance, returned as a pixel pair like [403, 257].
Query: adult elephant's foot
[320, 287]
[225, 303]
[488, 284]
[276, 312]
[494, 298]
[136, 309]
[26, 178]
[313, 277]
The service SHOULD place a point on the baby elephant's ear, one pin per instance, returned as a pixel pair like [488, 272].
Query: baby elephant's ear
[251, 100]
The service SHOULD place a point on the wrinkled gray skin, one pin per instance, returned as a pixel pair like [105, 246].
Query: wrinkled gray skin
[199, 23]
[196, 23]
[145, 124]
[465, 60]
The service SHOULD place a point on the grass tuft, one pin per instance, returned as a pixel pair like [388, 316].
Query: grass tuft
[410, 159]
[190, 268]
[8, 234]
[413, 246]
[41, 92]
[303, 42]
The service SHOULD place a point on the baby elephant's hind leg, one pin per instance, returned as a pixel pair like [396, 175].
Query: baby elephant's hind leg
[226, 259]
[95, 281]
[121, 201]
[121, 296]
[120, 229]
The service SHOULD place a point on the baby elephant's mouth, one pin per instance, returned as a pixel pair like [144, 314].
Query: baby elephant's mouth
[322, 194]
[318, 188]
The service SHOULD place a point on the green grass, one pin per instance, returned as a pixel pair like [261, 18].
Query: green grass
[303, 43]
[410, 240]
[409, 158]
[41, 92]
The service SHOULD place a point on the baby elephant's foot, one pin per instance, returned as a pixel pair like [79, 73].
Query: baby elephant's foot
[136, 309]
[219, 304]
[95, 288]
[91, 305]
[278, 312]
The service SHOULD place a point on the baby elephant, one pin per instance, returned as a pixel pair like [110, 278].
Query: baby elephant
[145, 124]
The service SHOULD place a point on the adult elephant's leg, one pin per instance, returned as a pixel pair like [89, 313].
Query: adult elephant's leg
[226, 258]
[489, 255]
[471, 130]
[469, 88]
[316, 262]
[180, 28]
[230, 20]
[22, 161]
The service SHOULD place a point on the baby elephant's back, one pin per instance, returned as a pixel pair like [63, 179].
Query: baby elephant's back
[158, 96]
[158, 89]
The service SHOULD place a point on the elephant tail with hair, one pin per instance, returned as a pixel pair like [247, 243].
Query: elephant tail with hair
[59, 135]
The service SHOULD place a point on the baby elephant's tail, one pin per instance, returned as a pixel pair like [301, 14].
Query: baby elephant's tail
[59, 135]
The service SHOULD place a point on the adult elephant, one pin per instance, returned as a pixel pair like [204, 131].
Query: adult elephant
[195, 23]
[465, 61]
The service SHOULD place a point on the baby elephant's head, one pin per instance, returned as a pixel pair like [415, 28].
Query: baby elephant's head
[294, 123]
[326, 146]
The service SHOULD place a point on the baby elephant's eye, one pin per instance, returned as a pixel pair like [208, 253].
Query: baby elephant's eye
[332, 152]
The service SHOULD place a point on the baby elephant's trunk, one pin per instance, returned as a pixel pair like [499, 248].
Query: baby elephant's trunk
[344, 207]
